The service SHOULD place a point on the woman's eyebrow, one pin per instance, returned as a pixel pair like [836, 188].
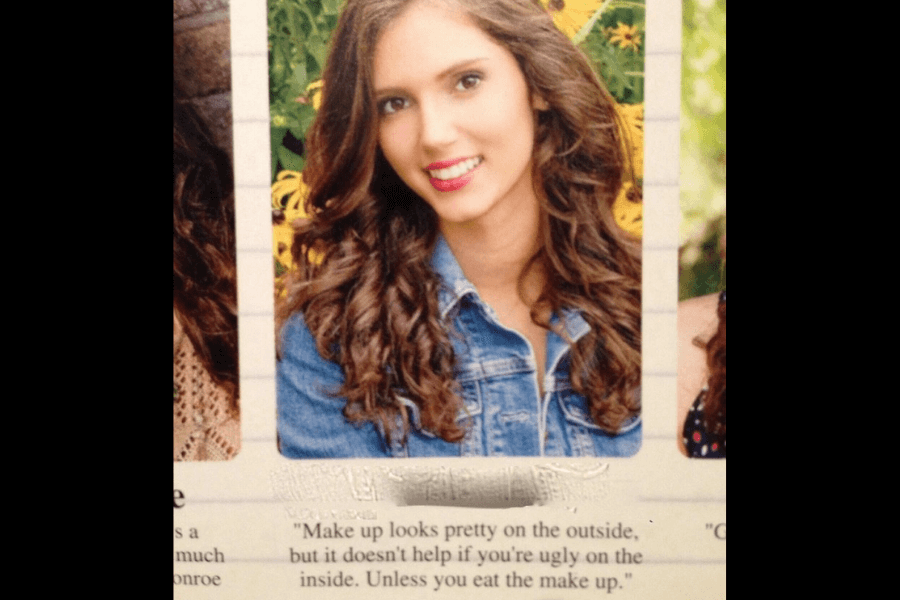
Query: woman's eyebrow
[458, 66]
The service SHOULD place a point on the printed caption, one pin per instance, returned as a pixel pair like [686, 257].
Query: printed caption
[448, 556]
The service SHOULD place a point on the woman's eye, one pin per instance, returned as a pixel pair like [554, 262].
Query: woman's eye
[391, 105]
[467, 82]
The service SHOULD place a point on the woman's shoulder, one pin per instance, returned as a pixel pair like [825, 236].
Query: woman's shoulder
[295, 331]
[309, 405]
[696, 320]
[298, 347]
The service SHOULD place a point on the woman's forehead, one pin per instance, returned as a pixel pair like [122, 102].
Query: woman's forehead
[428, 39]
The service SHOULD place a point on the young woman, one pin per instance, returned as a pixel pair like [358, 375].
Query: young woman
[701, 376]
[462, 287]
[205, 296]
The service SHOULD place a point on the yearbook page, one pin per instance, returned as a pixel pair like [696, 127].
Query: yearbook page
[285, 486]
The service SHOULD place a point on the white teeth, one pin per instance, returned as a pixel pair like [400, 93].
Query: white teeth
[457, 170]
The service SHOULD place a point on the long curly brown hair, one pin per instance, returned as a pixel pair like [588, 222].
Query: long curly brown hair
[204, 277]
[714, 399]
[370, 297]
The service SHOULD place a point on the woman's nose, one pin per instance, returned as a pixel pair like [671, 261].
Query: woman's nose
[438, 126]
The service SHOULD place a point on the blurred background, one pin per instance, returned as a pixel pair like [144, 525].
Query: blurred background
[702, 234]
[202, 64]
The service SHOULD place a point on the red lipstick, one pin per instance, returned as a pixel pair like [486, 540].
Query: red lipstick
[456, 183]
[451, 185]
[443, 164]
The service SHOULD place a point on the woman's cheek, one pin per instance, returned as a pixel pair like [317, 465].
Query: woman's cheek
[397, 141]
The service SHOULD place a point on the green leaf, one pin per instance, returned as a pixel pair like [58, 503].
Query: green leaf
[332, 7]
[289, 160]
[318, 49]
[276, 134]
[306, 115]
[298, 80]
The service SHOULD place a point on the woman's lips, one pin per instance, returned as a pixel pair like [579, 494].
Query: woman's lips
[451, 175]
[443, 164]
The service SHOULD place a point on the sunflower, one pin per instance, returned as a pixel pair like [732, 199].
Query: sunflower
[628, 209]
[632, 116]
[314, 93]
[570, 16]
[285, 212]
[626, 36]
[629, 214]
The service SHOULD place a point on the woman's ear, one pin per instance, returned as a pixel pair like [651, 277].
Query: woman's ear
[538, 103]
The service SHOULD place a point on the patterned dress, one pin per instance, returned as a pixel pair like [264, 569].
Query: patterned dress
[698, 441]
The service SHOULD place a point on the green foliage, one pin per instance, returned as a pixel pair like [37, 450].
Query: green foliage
[299, 32]
[280, 269]
[621, 68]
[704, 271]
[703, 164]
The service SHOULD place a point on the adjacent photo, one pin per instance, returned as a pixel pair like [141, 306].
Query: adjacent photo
[205, 347]
[701, 308]
[457, 221]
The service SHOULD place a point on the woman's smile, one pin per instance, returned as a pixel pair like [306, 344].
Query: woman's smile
[455, 175]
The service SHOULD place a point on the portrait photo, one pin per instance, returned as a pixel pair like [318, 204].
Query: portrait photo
[457, 221]
[701, 253]
[205, 347]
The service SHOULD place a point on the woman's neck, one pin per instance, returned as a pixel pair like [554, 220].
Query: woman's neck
[494, 259]
[494, 256]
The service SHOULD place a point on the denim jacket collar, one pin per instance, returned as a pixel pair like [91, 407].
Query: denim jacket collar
[456, 286]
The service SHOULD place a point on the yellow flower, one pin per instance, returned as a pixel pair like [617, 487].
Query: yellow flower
[629, 214]
[313, 94]
[632, 116]
[570, 16]
[626, 36]
[290, 184]
[628, 209]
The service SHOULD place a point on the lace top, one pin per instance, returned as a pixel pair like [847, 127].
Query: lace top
[205, 427]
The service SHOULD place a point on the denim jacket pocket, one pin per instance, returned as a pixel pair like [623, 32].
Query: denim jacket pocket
[469, 417]
[588, 439]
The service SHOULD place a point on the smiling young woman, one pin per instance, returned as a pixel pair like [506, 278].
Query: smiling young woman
[471, 293]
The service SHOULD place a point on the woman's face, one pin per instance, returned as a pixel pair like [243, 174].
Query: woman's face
[456, 119]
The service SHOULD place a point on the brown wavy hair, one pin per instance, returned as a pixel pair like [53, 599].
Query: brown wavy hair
[370, 297]
[714, 399]
[204, 277]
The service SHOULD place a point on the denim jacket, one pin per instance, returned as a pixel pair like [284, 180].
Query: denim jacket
[504, 414]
